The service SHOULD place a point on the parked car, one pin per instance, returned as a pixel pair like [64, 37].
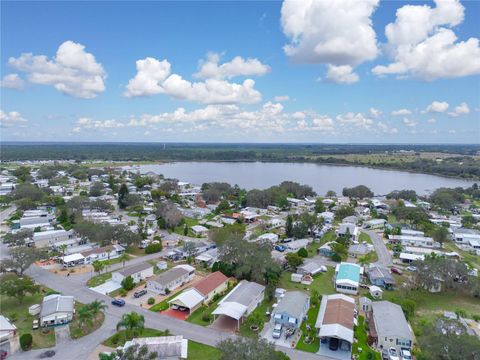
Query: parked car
[277, 331]
[118, 302]
[280, 248]
[392, 354]
[3, 354]
[333, 344]
[406, 354]
[395, 270]
[411, 268]
[47, 354]
[139, 293]
[35, 324]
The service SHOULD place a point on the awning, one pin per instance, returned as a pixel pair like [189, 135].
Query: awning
[231, 309]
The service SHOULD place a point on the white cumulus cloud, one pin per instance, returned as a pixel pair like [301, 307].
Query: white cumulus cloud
[281, 98]
[238, 66]
[12, 81]
[342, 74]
[460, 110]
[90, 123]
[401, 112]
[335, 32]
[72, 71]
[356, 119]
[155, 77]
[11, 119]
[437, 107]
[424, 46]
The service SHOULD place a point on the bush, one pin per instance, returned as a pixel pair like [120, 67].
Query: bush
[303, 252]
[153, 248]
[122, 292]
[128, 283]
[336, 258]
[167, 291]
[26, 341]
[151, 301]
[206, 316]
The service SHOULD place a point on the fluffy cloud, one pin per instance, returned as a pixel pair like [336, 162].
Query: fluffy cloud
[386, 129]
[238, 66]
[401, 112]
[89, 123]
[281, 98]
[460, 110]
[437, 107]
[342, 74]
[330, 32]
[375, 113]
[410, 123]
[154, 77]
[72, 71]
[11, 119]
[423, 45]
[356, 119]
[12, 81]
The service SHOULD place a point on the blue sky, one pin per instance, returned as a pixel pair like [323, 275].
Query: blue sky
[322, 71]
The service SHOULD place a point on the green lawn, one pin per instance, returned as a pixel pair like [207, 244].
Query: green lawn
[313, 247]
[99, 279]
[18, 313]
[321, 282]
[361, 336]
[189, 222]
[364, 237]
[469, 258]
[78, 330]
[115, 261]
[196, 316]
[197, 351]
[135, 250]
[163, 305]
[311, 319]
[260, 310]
[119, 338]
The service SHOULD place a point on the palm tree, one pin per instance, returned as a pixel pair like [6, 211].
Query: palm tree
[63, 248]
[124, 257]
[85, 315]
[98, 266]
[96, 307]
[133, 323]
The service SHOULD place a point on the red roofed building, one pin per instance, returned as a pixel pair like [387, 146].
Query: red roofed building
[213, 284]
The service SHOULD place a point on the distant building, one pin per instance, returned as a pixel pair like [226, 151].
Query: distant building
[138, 272]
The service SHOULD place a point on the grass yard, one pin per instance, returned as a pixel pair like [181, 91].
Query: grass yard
[18, 314]
[321, 282]
[163, 305]
[260, 312]
[197, 351]
[197, 316]
[467, 257]
[135, 251]
[115, 261]
[364, 237]
[313, 247]
[361, 337]
[77, 330]
[189, 222]
[311, 319]
[120, 337]
[99, 279]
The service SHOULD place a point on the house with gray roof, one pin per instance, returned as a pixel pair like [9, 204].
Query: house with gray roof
[389, 327]
[291, 309]
[171, 279]
[56, 309]
[138, 272]
[380, 276]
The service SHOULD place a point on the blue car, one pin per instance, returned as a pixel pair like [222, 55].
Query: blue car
[280, 248]
[118, 302]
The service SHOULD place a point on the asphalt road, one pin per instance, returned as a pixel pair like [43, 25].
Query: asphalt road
[384, 256]
[81, 348]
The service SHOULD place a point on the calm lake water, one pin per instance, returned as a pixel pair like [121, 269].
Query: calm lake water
[261, 175]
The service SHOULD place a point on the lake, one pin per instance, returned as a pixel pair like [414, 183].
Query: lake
[261, 175]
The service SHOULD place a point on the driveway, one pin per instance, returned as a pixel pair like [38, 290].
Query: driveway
[62, 334]
[107, 287]
[176, 314]
[384, 256]
[284, 342]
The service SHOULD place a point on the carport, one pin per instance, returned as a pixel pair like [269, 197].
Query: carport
[107, 287]
[232, 310]
[190, 299]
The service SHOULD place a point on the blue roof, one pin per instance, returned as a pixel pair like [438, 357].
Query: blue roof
[349, 271]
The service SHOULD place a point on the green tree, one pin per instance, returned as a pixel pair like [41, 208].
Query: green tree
[122, 194]
[128, 283]
[133, 323]
[21, 258]
[294, 260]
[289, 226]
[123, 258]
[440, 234]
[134, 352]
[249, 349]
[319, 207]
[18, 288]
[98, 266]
[302, 252]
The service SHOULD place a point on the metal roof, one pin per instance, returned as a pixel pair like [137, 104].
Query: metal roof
[135, 269]
[292, 303]
[390, 320]
[56, 303]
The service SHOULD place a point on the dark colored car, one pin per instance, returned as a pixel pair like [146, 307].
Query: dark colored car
[3, 354]
[396, 271]
[333, 345]
[139, 293]
[47, 354]
[118, 302]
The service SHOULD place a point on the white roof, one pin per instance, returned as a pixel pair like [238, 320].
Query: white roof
[190, 298]
[73, 257]
[231, 309]
[413, 257]
[336, 330]
[5, 325]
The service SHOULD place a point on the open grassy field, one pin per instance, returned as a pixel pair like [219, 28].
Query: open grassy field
[321, 282]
